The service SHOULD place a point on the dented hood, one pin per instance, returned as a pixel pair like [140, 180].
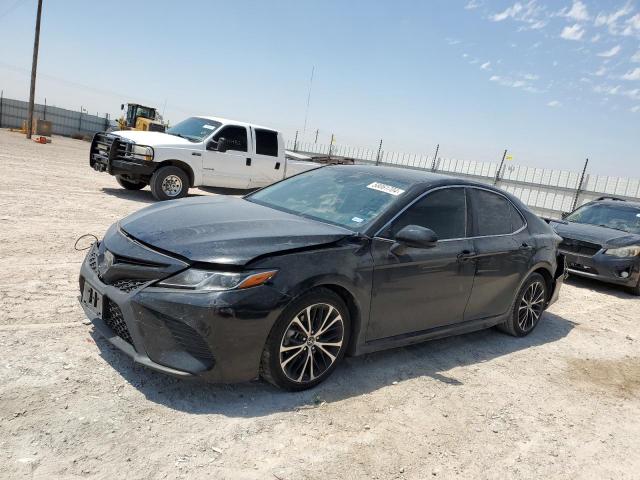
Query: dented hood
[225, 230]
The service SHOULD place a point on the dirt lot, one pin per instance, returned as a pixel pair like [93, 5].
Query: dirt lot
[561, 403]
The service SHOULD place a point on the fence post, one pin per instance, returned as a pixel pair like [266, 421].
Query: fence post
[295, 142]
[379, 152]
[1, 98]
[80, 120]
[579, 189]
[317, 131]
[433, 163]
[44, 112]
[106, 121]
[331, 145]
[495, 180]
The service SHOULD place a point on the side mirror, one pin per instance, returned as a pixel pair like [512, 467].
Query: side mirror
[222, 144]
[414, 236]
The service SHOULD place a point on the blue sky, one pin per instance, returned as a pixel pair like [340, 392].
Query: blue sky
[554, 81]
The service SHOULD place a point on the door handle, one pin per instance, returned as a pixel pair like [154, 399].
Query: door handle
[466, 256]
[248, 162]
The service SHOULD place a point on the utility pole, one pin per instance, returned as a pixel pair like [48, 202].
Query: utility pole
[580, 185]
[379, 153]
[495, 180]
[34, 67]
[295, 142]
[435, 157]
[317, 131]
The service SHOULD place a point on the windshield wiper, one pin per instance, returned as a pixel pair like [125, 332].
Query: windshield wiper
[180, 135]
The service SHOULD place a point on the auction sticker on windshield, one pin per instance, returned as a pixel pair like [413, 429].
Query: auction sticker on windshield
[383, 187]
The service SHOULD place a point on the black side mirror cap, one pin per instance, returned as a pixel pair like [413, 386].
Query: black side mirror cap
[414, 236]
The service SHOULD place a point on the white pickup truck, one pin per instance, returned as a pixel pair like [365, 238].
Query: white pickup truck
[199, 151]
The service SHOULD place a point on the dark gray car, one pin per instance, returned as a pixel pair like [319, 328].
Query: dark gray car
[601, 240]
[340, 260]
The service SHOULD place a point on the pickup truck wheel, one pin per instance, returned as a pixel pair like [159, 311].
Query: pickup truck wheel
[129, 185]
[168, 183]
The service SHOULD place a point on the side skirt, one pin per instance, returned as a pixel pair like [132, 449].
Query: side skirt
[430, 334]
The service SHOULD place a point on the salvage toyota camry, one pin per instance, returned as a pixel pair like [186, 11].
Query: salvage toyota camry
[284, 282]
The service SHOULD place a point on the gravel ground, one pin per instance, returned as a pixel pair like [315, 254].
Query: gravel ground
[563, 402]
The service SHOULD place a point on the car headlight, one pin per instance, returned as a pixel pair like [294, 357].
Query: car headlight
[632, 251]
[196, 279]
[142, 152]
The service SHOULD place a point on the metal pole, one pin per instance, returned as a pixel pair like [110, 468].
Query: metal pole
[575, 199]
[317, 131]
[34, 67]
[1, 97]
[45, 109]
[433, 163]
[295, 142]
[80, 120]
[379, 151]
[331, 146]
[495, 180]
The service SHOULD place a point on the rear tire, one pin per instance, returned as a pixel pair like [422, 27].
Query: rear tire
[129, 185]
[169, 183]
[528, 308]
[298, 353]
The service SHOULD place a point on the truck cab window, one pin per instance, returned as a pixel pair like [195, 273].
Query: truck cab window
[235, 136]
[266, 142]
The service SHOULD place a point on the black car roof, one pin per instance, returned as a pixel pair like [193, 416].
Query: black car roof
[413, 176]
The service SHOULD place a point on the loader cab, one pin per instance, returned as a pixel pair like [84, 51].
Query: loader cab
[139, 117]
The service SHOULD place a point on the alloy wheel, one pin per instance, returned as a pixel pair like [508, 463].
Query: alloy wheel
[311, 343]
[171, 185]
[531, 306]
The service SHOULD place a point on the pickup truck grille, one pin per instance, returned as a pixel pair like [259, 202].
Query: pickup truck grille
[106, 147]
[579, 247]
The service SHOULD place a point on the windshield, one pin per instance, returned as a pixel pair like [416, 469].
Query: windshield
[619, 216]
[194, 129]
[338, 195]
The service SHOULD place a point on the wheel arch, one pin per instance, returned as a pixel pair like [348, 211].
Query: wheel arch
[181, 165]
[354, 312]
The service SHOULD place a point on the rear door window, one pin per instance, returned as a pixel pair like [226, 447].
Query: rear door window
[266, 142]
[493, 214]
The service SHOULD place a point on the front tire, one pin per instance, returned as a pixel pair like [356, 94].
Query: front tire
[129, 185]
[307, 342]
[169, 183]
[528, 308]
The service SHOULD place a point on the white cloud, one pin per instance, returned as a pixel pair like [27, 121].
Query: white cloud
[595, 38]
[578, 11]
[554, 103]
[510, 12]
[611, 20]
[513, 83]
[635, 109]
[632, 74]
[472, 5]
[636, 57]
[486, 66]
[611, 52]
[600, 72]
[632, 25]
[574, 32]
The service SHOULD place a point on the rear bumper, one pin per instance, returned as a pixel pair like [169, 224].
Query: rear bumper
[216, 336]
[606, 268]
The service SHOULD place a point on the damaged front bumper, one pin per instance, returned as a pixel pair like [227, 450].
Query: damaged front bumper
[216, 336]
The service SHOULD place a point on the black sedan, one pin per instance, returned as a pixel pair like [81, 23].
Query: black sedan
[601, 240]
[340, 260]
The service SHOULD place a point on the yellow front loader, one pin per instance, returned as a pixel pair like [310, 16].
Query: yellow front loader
[139, 117]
